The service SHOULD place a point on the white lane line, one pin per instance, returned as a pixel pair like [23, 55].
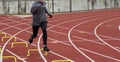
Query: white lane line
[52, 51]
[22, 59]
[109, 57]
[67, 45]
[8, 27]
[96, 34]
[59, 41]
[112, 38]
[60, 55]
[69, 37]
[83, 39]
[93, 41]
[19, 29]
[119, 27]
[14, 27]
[16, 22]
[95, 52]
[70, 17]
[100, 54]
[8, 42]
[55, 26]
[20, 39]
[32, 44]
[3, 48]
[79, 38]
[50, 28]
[59, 33]
[118, 48]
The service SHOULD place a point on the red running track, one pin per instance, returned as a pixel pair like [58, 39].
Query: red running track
[91, 36]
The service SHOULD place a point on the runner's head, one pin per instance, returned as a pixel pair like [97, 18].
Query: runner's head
[40, 0]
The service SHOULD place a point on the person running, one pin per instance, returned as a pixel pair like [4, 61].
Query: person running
[39, 12]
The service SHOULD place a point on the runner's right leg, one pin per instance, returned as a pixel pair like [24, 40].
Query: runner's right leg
[34, 35]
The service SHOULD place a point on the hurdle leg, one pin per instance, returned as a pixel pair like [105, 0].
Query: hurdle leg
[45, 53]
[30, 50]
[3, 33]
[0, 50]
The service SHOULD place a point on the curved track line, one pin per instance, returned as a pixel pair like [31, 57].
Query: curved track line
[100, 54]
[90, 50]
[119, 27]
[69, 17]
[48, 29]
[24, 40]
[69, 37]
[3, 48]
[50, 51]
[11, 38]
[96, 34]
[88, 33]
[41, 36]
[93, 41]
[16, 55]
[16, 28]
[58, 55]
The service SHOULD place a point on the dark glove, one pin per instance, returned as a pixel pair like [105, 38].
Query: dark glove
[50, 16]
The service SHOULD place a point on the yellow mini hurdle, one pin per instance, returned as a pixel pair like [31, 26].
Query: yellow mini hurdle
[3, 33]
[9, 37]
[32, 50]
[15, 60]
[61, 61]
[12, 45]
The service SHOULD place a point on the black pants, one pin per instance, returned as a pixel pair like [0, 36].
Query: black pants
[35, 29]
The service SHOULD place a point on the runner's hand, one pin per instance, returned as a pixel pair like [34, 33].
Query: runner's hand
[50, 16]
